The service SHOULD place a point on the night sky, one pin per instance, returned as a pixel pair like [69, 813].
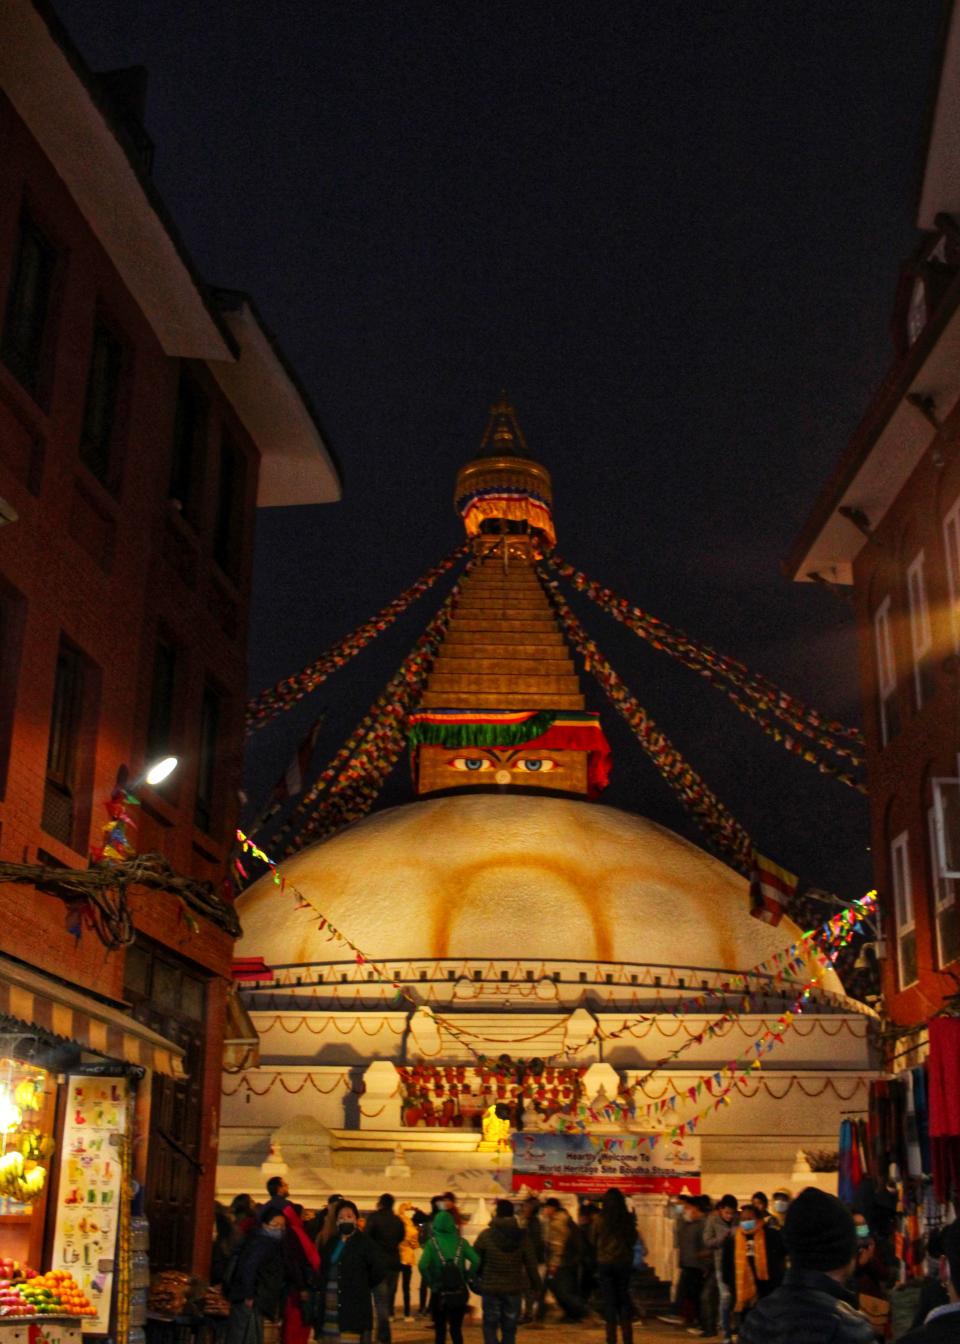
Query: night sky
[672, 232]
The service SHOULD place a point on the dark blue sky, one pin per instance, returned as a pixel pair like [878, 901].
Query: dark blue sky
[671, 231]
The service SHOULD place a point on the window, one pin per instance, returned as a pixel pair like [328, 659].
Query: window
[28, 304]
[162, 691]
[921, 641]
[207, 759]
[231, 497]
[100, 406]
[68, 756]
[903, 910]
[11, 625]
[951, 546]
[946, 909]
[188, 455]
[886, 673]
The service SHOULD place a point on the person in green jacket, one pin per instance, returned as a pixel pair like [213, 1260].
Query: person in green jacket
[446, 1264]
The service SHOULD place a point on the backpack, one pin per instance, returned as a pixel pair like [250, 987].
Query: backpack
[451, 1286]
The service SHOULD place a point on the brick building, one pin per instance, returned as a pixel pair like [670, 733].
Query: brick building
[887, 524]
[143, 418]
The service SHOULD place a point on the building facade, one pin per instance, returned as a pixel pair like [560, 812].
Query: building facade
[887, 526]
[143, 418]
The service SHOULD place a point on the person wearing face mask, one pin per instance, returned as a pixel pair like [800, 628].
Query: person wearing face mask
[813, 1304]
[720, 1226]
[942, 1325]
[871, 1279]
[780, 1205]
[257, 1286]
[753, 1262]
[761, 1205]
[350, 1269]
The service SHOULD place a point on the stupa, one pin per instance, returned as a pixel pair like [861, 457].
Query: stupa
[521, 942]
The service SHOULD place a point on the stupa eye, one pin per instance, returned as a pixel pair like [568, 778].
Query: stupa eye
[534, 763]
[471, 763]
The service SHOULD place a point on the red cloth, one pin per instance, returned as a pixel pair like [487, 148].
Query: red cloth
[944, 1067]
[294, 1328]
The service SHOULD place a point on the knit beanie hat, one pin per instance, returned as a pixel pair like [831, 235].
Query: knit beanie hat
[819, 1231]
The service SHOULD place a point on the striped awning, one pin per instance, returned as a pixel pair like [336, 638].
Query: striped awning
[37, 1000]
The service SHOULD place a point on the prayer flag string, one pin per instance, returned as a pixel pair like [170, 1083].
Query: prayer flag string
[287, 692]
[716, 821]
[751, 693]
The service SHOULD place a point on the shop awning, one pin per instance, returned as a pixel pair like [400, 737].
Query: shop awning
[40, 1001]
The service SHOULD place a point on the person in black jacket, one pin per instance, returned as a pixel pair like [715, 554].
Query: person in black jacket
[257, 1285]
[386, 1230]
[812, 1305]
[508, 1269]
[942, 1325]
[350, 1269]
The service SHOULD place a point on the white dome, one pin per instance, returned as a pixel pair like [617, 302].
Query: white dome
[482, 875]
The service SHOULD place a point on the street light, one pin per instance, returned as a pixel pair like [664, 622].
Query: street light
[159, 772]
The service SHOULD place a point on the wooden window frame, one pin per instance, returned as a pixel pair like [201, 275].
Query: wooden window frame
[886, 665]
[921, 635]
[904, 916]
[31, 369]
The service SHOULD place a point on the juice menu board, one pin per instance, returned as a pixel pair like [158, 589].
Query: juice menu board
[90, 1190]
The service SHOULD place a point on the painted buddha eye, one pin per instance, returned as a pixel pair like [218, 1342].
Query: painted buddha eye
[534, 763]
[471, 763]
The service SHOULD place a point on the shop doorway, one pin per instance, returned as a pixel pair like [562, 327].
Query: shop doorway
[169, 994]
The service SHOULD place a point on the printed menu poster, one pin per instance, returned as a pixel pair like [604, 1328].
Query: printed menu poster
[88, 1198]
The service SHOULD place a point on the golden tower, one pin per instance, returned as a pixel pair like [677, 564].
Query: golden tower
[503, 707]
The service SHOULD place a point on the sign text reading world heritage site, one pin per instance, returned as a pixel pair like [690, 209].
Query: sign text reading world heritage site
[577, 1163]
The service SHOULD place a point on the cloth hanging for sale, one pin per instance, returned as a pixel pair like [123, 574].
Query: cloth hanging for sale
[944, 1077]
[945, 1160]
[914, 1161]
[921, 1098]
[886, 1129]
[845, 1182]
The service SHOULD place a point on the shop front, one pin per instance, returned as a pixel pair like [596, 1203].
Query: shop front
[75, 1084]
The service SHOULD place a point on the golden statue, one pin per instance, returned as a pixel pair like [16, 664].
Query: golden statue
[496, 1129]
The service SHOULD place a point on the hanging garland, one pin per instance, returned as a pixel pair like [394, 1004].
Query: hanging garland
[287, 692]
[824, 942]
[401, 993]
[716, 667]
[343, 1084]
[304, 1024]
[719, 825]
[719, 1083]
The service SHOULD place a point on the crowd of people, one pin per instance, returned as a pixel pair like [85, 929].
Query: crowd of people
[801, 1270]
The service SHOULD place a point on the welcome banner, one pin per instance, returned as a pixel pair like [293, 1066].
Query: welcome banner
[585, 1165]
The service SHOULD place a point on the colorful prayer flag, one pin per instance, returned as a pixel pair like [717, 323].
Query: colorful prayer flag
[770, 889]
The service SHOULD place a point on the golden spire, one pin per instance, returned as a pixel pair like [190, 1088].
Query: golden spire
[503, 491]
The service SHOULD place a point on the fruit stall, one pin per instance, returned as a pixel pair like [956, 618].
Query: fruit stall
[65, 1185]
[40, 1308]
[27, 1104]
